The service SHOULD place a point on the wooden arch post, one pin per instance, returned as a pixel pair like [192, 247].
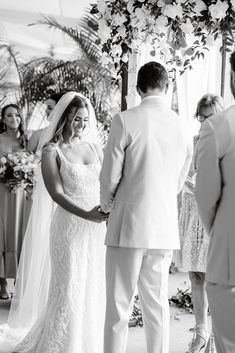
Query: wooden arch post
[223, 70]
[124, 76]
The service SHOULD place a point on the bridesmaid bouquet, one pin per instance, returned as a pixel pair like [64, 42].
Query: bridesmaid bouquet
[17, 170]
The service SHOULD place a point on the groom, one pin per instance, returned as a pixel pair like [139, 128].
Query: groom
[145, 164]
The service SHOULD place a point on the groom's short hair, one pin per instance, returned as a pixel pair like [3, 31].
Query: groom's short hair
[152, 75]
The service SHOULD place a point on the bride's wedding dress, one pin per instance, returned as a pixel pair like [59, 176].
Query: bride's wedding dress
[74, 316]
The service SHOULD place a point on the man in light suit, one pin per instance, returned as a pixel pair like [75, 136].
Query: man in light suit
[145, 164]
[215, 195]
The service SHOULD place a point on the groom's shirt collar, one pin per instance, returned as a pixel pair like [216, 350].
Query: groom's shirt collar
[160, 99]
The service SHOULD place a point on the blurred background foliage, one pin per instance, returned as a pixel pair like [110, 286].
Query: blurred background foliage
[31, 83]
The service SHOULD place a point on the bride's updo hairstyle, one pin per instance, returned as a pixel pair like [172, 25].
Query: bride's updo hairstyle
[76, 102]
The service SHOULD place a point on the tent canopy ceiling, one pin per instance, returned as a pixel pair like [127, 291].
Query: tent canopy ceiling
[38, 40]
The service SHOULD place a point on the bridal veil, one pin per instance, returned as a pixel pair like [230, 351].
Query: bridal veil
[33, 275]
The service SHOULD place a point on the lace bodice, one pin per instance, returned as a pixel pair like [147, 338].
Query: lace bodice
[80, 181]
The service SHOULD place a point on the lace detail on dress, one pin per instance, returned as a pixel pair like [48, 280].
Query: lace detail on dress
[193, 238]
[73, 321]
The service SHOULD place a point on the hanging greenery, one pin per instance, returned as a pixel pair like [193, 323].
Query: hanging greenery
[179, 31]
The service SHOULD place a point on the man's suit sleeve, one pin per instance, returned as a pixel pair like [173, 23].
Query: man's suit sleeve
[208, 179]
[111, 171]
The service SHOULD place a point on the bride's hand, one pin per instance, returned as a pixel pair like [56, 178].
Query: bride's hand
[96, 215]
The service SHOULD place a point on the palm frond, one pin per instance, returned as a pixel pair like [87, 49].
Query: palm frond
[9, 67]
[42, 76]
[83, 38]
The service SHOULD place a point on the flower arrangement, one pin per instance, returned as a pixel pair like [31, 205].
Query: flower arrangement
[183, 299]
[17, 170]
[179, 31]
[136, 316]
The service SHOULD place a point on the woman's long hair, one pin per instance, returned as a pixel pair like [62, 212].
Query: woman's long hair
[76, 102]
[21, 130]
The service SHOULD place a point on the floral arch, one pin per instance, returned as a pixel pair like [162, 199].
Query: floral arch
[178, 30]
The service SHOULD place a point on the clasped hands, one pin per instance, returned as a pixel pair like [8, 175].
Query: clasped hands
[97, 215]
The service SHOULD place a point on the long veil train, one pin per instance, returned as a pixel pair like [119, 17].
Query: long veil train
[33, 275]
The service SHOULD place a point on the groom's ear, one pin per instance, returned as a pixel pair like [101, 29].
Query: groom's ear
[166, 87]
[138, 90]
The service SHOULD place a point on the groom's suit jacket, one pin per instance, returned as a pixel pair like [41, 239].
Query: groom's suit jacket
[215, 194]
[146, 162]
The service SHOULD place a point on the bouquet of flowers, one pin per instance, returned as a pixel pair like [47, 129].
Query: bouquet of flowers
[17, 170]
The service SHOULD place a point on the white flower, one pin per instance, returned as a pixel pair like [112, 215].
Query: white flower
[3, 160]
[134, 21]
[140, 14]
[101, 6]
[130, 6]
[180, 1]
[172, 11]
[104, 32]
[116, 50]
[160, 3]
[161, 21]
[31, 158]
[219, 9]
[125, 57]
[199, 7]
[122, 31]
[10, 156]
[136, 43]
[187, 27]
[118, 19]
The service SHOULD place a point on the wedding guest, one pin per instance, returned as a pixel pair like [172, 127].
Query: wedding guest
[194, 239]
[215, 195]
[141, 175]
[50, 104]
[66, 312]
[12, 139]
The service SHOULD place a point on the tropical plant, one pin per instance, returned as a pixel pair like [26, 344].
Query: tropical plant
[88, 74]
[40, 77]
[10, 81]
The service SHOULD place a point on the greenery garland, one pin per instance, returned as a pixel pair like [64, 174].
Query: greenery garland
[177, 30]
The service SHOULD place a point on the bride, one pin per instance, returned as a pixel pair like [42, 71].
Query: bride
[59, 303]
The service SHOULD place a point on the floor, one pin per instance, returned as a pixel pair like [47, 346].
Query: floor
[180, 321]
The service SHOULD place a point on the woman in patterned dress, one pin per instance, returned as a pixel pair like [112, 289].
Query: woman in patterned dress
[194, 240]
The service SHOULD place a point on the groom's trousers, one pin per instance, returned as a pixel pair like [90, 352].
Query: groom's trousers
[148, 269]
